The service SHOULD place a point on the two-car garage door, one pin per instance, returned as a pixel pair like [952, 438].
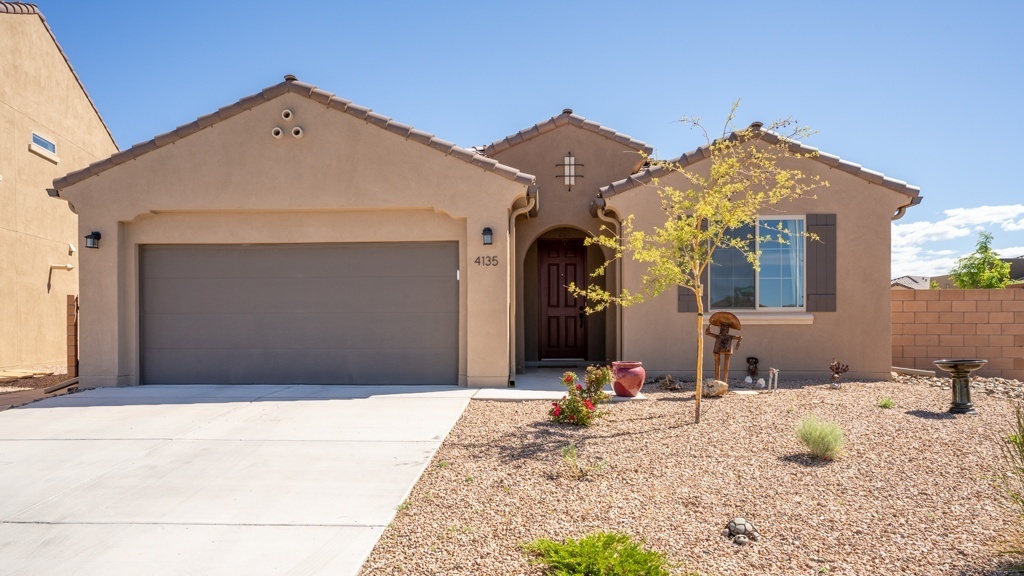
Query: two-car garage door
[384, 313]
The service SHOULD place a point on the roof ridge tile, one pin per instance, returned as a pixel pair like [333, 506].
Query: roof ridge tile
[832, 160]
[566, 117]
[309, 91]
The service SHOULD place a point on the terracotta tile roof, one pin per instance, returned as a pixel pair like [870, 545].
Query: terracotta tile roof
[645, 176]
[293, 86]
[21, 8]
[565, 118]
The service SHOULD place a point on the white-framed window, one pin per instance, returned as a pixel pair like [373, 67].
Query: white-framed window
[779, 285]
[44, 147]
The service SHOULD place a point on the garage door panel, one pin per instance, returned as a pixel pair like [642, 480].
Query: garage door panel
[297, 295]
[300, 313]
[308, 366]
[333, 260]
[417, 330]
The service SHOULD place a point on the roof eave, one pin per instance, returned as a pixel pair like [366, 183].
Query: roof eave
[566, 118]
[831, 160]
[292, 86]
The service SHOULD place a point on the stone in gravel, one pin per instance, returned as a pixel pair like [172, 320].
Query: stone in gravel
[715, 388]
[741, 531]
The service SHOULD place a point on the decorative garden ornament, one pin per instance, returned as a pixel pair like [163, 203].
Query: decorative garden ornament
[725, 343]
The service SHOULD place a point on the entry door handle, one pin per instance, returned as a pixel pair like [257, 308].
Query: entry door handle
[581, 315]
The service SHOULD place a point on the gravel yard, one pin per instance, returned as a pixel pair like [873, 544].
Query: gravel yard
[913, 493]
[35, 383]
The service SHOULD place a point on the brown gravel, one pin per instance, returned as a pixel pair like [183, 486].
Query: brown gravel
[914, 493]
[32, 383]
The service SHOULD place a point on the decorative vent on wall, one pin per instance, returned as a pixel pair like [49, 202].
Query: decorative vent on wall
[569, 173]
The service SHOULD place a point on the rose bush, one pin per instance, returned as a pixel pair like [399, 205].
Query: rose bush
[579, 405]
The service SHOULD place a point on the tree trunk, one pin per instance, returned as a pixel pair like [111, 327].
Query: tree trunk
[700, 352]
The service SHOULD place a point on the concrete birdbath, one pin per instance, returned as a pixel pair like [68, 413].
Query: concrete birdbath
[961, 370]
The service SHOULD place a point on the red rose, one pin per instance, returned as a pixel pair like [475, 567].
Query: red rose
[588, 404]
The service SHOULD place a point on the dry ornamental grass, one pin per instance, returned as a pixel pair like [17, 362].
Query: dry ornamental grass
[915, 490]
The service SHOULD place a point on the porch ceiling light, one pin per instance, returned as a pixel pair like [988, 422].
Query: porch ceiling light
[92, 240]
[488, 237]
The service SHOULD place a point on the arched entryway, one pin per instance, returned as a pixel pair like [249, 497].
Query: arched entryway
[555, 329]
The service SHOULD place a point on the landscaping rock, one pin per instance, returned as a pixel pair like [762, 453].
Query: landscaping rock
[741, 531]
[715, 388]
[996, 387]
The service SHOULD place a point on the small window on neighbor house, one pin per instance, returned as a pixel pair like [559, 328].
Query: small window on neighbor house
[44, 143]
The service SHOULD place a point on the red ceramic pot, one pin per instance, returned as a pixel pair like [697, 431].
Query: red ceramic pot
[629, 378]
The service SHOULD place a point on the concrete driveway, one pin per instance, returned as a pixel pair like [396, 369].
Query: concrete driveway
[192, 480]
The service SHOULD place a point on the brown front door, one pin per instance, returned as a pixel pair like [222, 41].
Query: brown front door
[563, 327]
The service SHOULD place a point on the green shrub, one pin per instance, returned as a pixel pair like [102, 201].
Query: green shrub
[597, 554]
[579, 405]
[886, 402]
[824, 439]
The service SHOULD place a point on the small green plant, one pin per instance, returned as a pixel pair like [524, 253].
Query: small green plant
[469, 479]
[824, 439]
[442, 464]
[579, 405]
[404, 505]
[600, 553]
[1013, 457]
[595, 380]
[886, 402]
[576, 468]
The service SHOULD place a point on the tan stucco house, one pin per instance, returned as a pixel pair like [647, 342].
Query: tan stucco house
[296, 237]
[48, 126]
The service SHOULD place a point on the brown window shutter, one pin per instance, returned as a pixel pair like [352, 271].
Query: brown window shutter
[821, 263]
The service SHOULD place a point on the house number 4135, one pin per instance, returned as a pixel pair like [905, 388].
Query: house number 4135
[486, 261]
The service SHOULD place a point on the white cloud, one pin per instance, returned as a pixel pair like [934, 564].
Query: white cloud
[910, 256]
[913, 261]
[1002, 215]
[1012, 226]
[917, 233]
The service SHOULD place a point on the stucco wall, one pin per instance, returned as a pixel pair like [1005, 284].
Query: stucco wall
[857, 333]
[344, 181]
[38, 93]
[930, 325]
[564, 212]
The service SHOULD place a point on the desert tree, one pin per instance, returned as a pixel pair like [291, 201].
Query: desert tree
[745, 173]
[982, 269]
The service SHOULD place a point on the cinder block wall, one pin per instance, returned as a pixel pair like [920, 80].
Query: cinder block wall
[931, 324]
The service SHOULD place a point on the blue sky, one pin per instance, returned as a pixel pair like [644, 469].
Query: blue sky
[927, 92]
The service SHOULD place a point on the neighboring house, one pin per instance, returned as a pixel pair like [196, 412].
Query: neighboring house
[1016, 268]
[944, 282]
[295, 237]
[910, 283]
[48, 126]
[922, 282]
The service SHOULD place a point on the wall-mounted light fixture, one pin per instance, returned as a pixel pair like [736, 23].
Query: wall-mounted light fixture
[488, 237]
[92, 240]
